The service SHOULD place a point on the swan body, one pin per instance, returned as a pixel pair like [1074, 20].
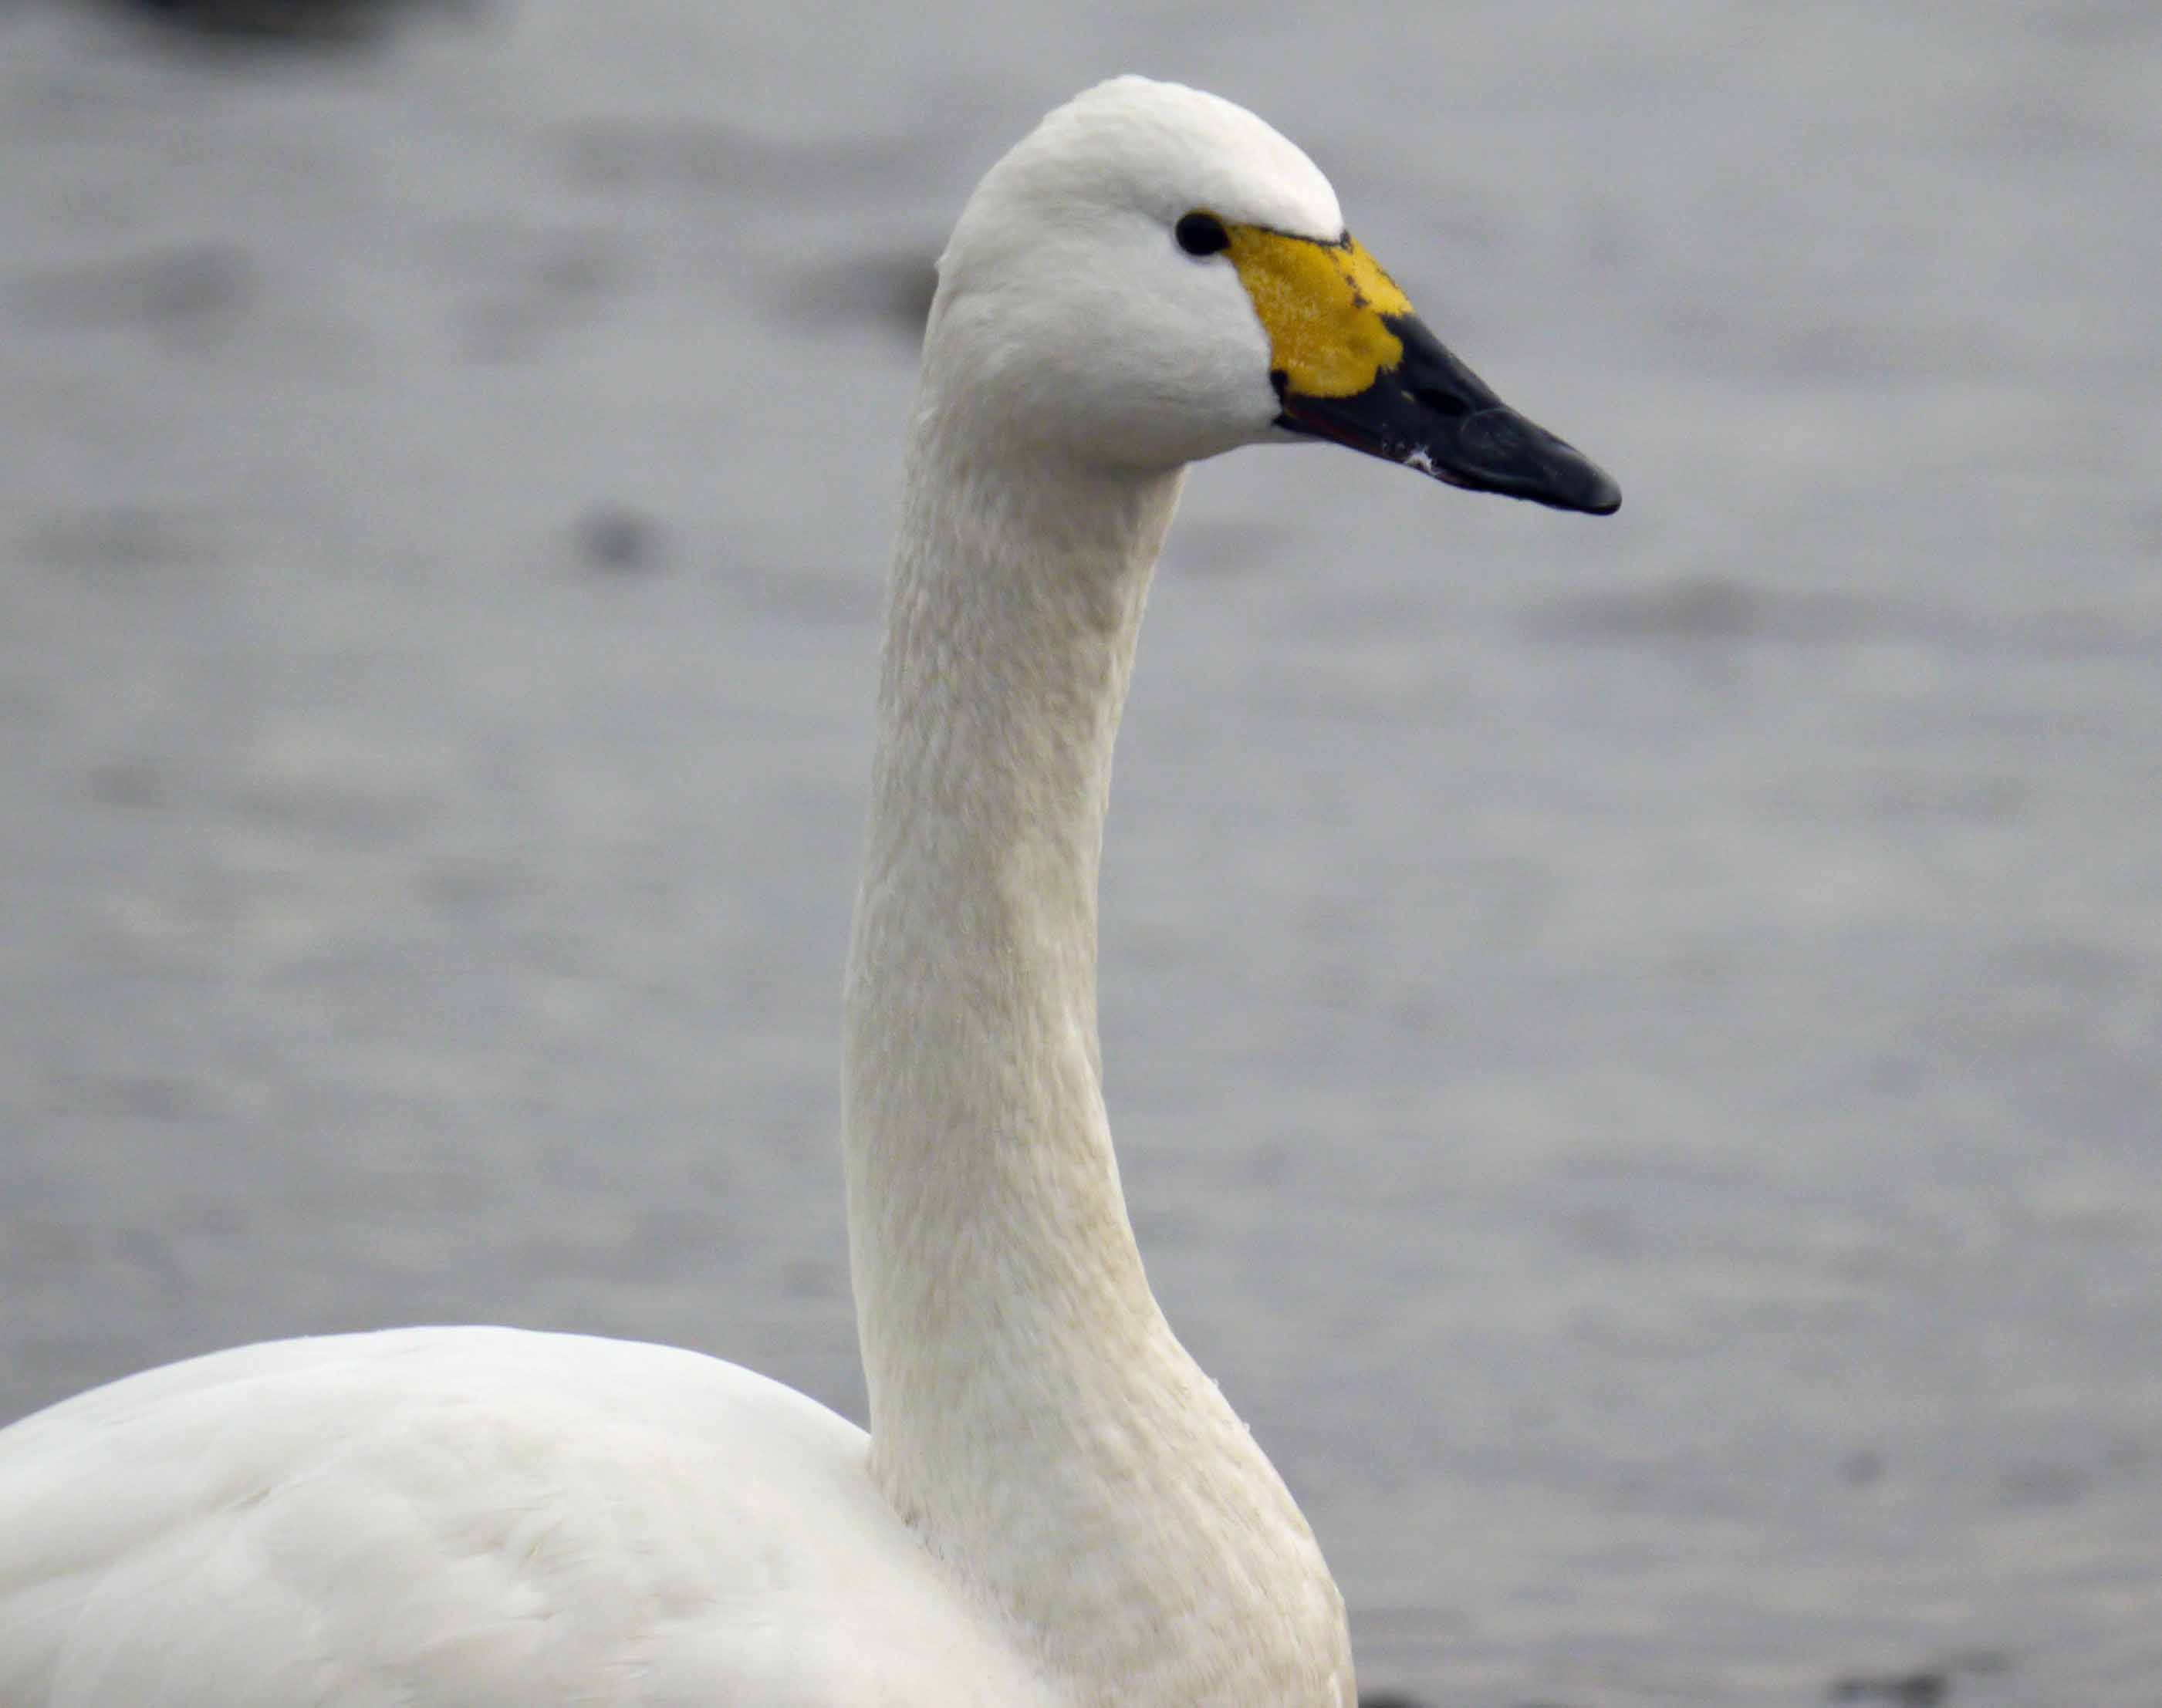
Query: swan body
[1054, 1507]
[467, 1516]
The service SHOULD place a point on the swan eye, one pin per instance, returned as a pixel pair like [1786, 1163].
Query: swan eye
[1202, 234]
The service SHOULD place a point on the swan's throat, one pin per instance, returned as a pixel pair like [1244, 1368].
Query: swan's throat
[992, 1254]
[1032, 1417]
[1028, 1399]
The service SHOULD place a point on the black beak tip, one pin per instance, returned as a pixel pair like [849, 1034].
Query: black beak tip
[1595, 492]
[1521, 458]
[1562, 478]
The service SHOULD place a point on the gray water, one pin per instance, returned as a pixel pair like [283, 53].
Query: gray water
[1634, 1044]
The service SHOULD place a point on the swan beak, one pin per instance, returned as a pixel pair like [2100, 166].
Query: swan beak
[1352, 363]
[1431, 413]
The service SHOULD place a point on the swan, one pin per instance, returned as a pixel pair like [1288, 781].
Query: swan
[1053, 1507]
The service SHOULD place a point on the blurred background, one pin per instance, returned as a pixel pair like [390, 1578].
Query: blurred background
[1634, 1043]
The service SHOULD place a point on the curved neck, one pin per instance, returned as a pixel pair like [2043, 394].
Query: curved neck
[987, 1228]
[1032, 1417]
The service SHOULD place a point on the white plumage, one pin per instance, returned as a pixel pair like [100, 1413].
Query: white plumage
[1055, 1506]
[465, 1515]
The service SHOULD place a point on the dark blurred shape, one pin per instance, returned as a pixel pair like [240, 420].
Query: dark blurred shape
[1860, 1469]
[195, 283]
[1698, 607]
[708, 157]
[1922, 1689]
[130, 537]
[192, 289]
[893, 290]
[1397, 1698]
[1712, 609]
[273, 23]
[540, 290]
[617, 540]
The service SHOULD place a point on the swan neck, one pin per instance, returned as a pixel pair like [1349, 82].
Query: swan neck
[1033, 1419]
[985, 1197]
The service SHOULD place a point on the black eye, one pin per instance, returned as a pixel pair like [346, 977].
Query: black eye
[1202, 234]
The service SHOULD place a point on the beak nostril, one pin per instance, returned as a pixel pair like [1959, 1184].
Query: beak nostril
[1441, 403]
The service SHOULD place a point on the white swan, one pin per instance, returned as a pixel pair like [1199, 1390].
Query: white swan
[1054, 1506]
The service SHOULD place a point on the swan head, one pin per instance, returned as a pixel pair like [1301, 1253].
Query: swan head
[1154, 276]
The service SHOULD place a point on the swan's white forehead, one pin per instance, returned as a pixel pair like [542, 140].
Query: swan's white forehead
[1165, 149]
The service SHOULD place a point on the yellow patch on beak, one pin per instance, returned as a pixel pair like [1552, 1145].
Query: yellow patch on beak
[1322, 306]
